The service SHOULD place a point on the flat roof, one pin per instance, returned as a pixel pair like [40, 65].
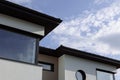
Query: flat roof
[77, 53]
[18, 11]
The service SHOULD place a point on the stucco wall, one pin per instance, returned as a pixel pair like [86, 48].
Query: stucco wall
[61, 68]
[21, 24]
[49, 75]
[10, 70]
[72, 64]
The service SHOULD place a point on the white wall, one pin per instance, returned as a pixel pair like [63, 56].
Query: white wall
[72, 64]
[18, 71]
[21, 24]
[61, 68]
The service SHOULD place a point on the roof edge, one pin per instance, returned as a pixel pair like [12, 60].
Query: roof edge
[23, 8]
[20, 12]
[87, 55]
[47, 51]
[81, 54]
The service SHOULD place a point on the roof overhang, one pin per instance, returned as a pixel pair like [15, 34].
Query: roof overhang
[73, 52]
[77, 53]
[17, 11]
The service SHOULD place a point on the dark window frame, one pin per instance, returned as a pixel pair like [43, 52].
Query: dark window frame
[47, 63]
[83, 74]
[22, 32]
[106, 71]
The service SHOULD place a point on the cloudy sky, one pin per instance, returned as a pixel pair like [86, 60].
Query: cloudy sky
[88, 25]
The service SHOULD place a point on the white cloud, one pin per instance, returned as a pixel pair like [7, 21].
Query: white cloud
[117, 76]
[112, 40]
[97, 32]
[101, 1]
[94, 32]
[21, 1]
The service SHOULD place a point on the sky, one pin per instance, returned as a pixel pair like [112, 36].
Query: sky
[88, 25]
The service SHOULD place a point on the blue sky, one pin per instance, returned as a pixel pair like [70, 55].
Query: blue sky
[88, 25]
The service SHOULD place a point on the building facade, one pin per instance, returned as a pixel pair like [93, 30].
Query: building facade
[21, 29]
[21, 57]
[71, 64]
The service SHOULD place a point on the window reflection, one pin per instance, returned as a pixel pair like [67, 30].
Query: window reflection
[79, 76]
[104, 75]
[17, 47]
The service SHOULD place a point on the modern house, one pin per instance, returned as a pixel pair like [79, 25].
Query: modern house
[21, 29]
[69, 64]
[21, 57]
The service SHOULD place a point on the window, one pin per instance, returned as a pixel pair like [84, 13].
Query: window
[80, 75]
[46, 66]
[105, 75]
[17, 46]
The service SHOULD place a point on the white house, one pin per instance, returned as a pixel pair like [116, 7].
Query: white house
[69, 64]
[21, 57]
[21, 29]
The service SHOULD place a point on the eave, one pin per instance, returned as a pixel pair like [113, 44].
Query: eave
[90, 56]
[17, 11]
[80, 54]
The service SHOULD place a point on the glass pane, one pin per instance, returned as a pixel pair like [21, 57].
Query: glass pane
[17, 47]
[79, 76]
[104, 76]
[45, 66]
